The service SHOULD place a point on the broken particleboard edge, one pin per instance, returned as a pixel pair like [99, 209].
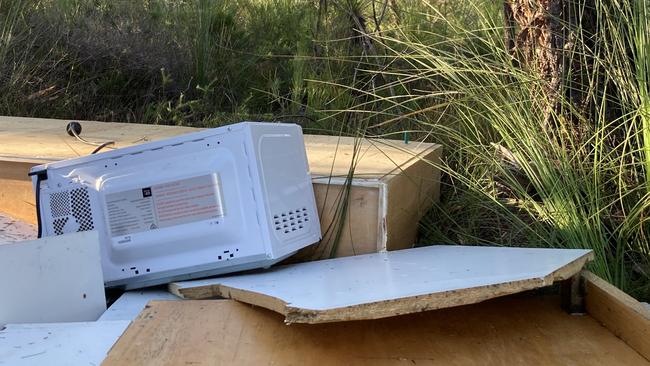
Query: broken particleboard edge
[619, 312]
[381, 309]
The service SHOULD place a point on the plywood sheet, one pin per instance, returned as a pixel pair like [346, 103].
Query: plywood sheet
[16, 193]
[409, 196]
[332, 156]
[359, 231]
[387, 284]
[619, 312]
[52, 279]
[523, 330]
[58, 344]
[39, 140]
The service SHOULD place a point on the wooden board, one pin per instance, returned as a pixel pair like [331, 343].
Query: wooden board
[332, 156]
[359, 231]
[619, 312]
[40, 140]
[58, 344]
[393, 184]
[43, 139]
[53, 279]
[387, 284]
[410, 195]
[16, 193]
[522, 330]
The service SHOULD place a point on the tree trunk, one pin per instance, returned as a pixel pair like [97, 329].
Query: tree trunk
[535, 36]
[552, 38]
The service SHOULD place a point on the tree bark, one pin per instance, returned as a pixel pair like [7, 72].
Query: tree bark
[535, 36]
[556, 39]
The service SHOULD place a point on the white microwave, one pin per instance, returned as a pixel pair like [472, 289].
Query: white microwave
[221, 200]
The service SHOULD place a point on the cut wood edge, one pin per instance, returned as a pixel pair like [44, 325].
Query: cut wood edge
[619, 312]
[381, 309]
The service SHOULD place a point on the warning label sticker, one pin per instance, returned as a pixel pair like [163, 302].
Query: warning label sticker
[163, 205]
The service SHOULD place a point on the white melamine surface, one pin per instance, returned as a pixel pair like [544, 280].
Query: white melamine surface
[55, 279]
[363, 279]
[131, 303]
[58, 344]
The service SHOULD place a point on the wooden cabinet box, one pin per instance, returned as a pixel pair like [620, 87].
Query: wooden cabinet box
[376, 205]
[371, 194]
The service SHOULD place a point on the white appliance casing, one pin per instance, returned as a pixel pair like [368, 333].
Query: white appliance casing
[244, 200]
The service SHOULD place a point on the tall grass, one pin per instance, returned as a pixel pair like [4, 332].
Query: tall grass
[191, 62]
[640, 36]
[513, 179]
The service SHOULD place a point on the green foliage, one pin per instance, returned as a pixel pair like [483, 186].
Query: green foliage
[159, 61]
[513, 178]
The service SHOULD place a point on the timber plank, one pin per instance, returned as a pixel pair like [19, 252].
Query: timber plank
[619, 312]
[40, 139]
[521, 330]
[16, 193]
